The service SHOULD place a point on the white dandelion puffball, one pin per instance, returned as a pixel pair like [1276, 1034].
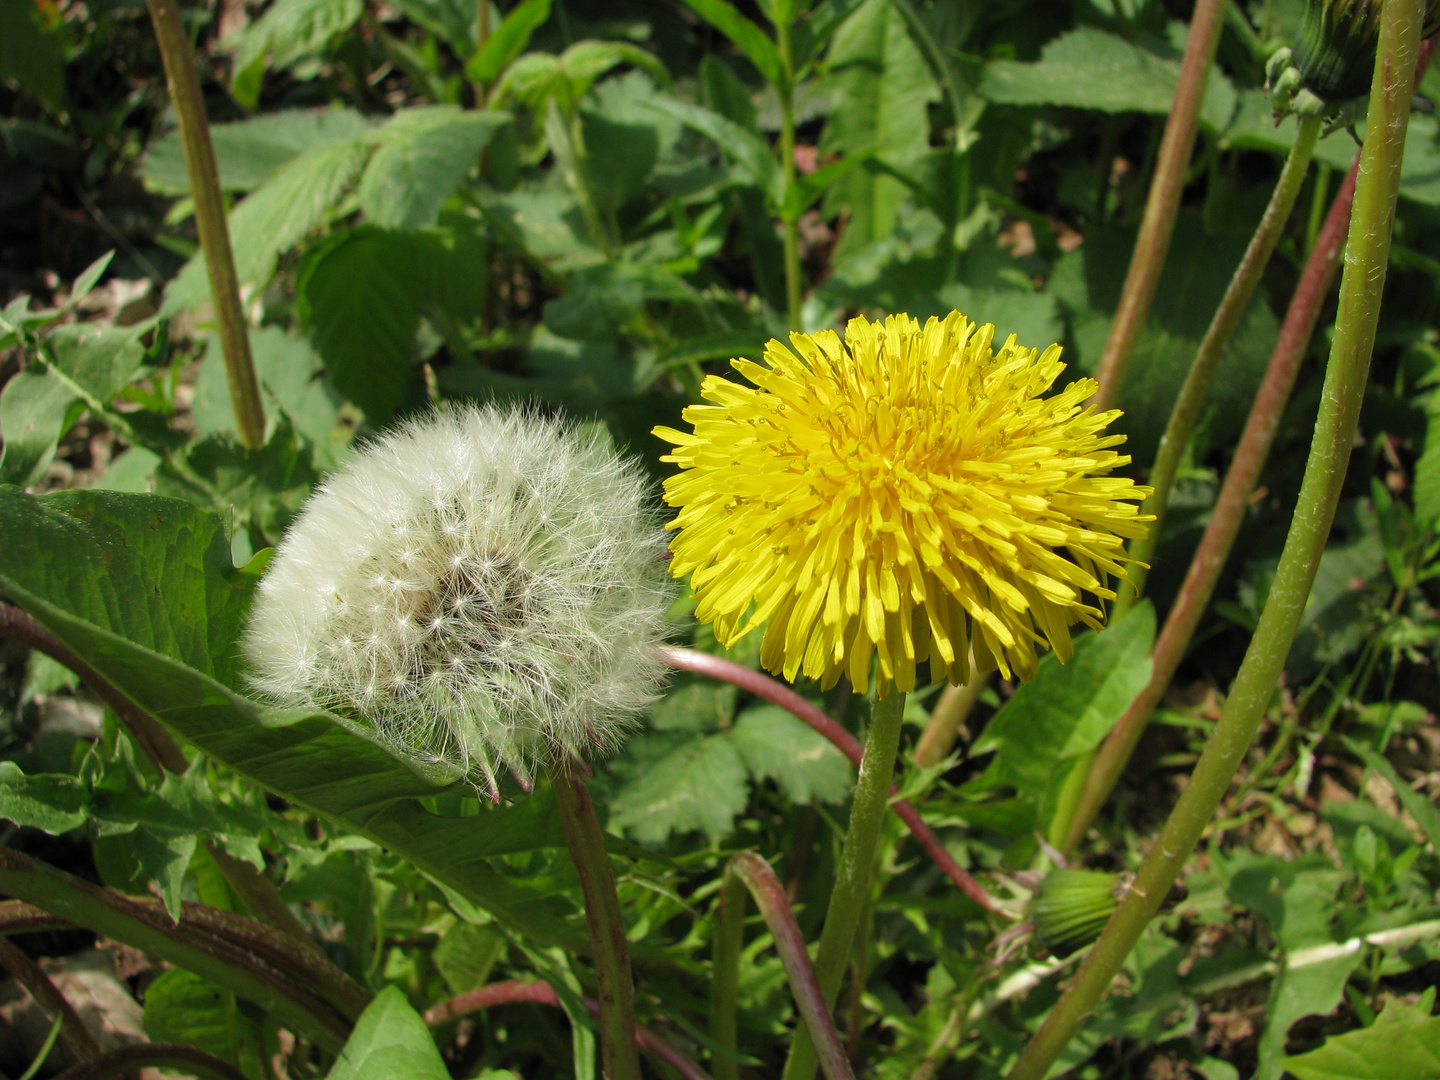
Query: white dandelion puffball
[480, 590]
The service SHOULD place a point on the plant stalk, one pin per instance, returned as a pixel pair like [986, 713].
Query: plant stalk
[725, 979]
[852, 875]
[790, 226]
[172, 1058]
[1234, 499]
[78, 1038]
[210, 220]
[805, 984]
[1366, 256]
[1163, 203]
[1186, 409]
[604, 921]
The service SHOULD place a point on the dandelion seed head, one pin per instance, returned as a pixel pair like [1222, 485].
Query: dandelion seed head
[444, 591]
[906, 494]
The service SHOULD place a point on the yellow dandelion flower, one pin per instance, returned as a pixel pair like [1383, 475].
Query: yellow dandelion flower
[901, 496]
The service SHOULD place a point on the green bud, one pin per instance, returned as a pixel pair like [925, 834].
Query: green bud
[1069, 908]
[1335, 49]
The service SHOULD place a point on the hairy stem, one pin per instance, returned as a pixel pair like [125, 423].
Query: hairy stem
[1366, 255]
[210, 220]
[725, 978]
[1234, 499]
[1186, 409]
[603, 920]
[170, 1057]
[805, 983]
[1163, 203]
[852, 875]
[777, 693]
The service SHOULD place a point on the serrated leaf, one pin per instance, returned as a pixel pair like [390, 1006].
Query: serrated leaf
[390, 1042]
[694, 704]
[424, 154]
[52, 803]
[136, 584]
[1088, 68]
[249, 152]
[507, 41]
[701, 785]
[290, 29]
[181, 1007]
[1402, 1044]
[776, 745]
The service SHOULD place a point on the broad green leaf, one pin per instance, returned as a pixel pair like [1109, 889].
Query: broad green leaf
[52, 803]
[249, 152]
[751, 154]
[1088, 68]
[1066, 710]
[1033, 317]
[699, 785]
[390, 1042]
[28, 55]
[694, 704]
[455, 22]
[290, 29]
[1402, 1044]
[466, 954]
[507, 41]
[778, 746]
[138, 584]
[745, 35]
[181, 1007]
[882, 89]
[424, 154]
[274, 217]
[601, 300]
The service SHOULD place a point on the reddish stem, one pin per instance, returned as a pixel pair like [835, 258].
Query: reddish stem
[777, 693]
[770, 898]
[171, 1057]
[542, 993]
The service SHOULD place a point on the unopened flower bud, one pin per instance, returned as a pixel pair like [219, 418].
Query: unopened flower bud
[1070, 907]
[1335, 48]
[476, 591]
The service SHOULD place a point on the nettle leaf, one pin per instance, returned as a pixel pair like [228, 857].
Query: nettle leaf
[1091, 69]
[1402, 1044]
[776, 745]
[181, 1007]
[249, 152]
[700, 785]
[390, 1042]
[694, 704]
[140, 585]
[1065, 711]
[290, 29]
[424, 154]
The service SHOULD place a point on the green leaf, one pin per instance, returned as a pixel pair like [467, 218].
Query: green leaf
[700, 785]
[290, 29]
[776, 745]
[52, 803]
[273, 218]
[424, 155]
[466, 954]
[507, 41]
[249, 152]
[1416, 804]
[1065, 711]
[390, 1042]
[694, 704]
[181, 1007]
[1427, 469]
[882, 88]
[139, 585]
[30, 56]
[1088, 68]
[751, 154]
[1402, 1044]
[745, 35]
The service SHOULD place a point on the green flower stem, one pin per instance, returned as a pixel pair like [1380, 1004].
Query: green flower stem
[857, 860]
[812, 1005]
[1163, 202]
[1366, 254]
[725, 979]
[1207, 358]
[169, 1057]
[603, 919]
[210, 220]
[791, 225]
[1227, 516]
[226, 962]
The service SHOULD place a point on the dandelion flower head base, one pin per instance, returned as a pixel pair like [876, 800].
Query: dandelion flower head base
[896, 497]
[479, 590]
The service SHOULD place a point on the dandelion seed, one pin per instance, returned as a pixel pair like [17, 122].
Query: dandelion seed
[900, 496]
[419, 599]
